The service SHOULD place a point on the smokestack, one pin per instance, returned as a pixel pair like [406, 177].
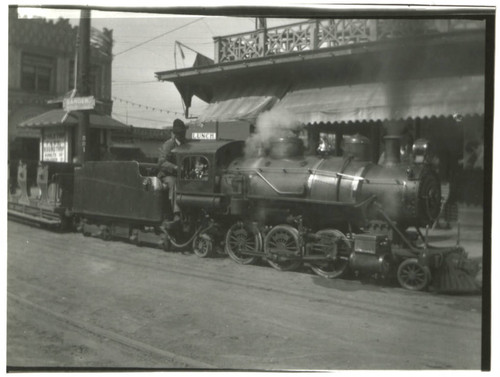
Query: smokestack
[392, 150]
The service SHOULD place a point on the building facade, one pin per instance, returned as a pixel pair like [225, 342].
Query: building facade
[42, 71]
[336, 77]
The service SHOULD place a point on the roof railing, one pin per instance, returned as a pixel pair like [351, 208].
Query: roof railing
[318, 34]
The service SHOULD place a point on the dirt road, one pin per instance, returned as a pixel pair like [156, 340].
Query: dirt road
[83, 302]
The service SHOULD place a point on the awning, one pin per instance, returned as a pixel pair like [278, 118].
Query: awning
[55, 118]
[242, 102]
[394, 100]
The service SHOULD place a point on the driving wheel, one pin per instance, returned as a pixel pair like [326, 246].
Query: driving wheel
[242, 238]
[335, 246]
[282, 247]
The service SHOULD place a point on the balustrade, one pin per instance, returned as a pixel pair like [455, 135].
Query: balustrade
[318, 34]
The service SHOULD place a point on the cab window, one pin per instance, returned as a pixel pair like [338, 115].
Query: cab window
[195, 168]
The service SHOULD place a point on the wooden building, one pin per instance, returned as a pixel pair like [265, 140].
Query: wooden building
[42, 71]
[410, 77]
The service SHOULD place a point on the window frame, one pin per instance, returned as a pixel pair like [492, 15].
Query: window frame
[184, 175]
[38, 63]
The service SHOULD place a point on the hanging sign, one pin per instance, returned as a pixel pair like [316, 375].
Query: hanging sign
[79, 103]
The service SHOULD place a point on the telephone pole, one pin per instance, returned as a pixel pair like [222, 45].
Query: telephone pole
[83, 89]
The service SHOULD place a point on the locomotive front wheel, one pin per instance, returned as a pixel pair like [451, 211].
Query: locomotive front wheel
[282, 246]
[339, 265]
[203, 245]
[242, 238]
[413, 276]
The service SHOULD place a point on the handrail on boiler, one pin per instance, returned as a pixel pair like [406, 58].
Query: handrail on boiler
[326, 173]
[276, 189]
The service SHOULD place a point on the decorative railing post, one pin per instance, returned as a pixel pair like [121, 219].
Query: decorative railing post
[262, 38]
[217, 51]
[314, 35]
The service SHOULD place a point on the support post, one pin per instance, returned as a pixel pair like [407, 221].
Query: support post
[261, 27]
[217, 53]
[314, 35]
[82, 145]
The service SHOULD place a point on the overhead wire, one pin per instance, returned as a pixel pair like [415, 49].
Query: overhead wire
[209, 28]
[158, 36]
[147, 107]
[138, 118]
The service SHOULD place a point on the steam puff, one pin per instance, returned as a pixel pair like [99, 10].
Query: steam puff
[276, 123]
[272, 123]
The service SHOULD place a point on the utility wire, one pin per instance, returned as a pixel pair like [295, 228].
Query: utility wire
[147, 107]
[139, 118]
[209, 28]
[159, 36]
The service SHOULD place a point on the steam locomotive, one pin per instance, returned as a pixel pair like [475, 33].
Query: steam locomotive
[333, 214]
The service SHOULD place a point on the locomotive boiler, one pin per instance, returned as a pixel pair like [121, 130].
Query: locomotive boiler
[327, 190]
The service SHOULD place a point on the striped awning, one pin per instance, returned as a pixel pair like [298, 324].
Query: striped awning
[57, 117]
[392, 100]
[242, 102]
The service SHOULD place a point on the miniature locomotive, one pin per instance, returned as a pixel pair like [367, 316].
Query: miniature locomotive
[334, 214]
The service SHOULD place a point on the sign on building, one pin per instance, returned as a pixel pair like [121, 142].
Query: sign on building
[79, 103]
[54, 146]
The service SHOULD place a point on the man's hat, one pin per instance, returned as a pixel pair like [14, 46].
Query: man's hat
[178, 127]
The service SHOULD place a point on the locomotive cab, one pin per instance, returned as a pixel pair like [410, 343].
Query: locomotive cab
[200, 168]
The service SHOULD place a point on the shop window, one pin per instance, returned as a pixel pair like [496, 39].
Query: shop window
[195, 168]
[327, 142]
[37, 73]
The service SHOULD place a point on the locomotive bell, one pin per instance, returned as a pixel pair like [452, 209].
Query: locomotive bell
[358, 147]
[286, 147]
